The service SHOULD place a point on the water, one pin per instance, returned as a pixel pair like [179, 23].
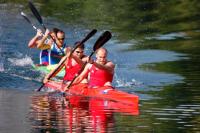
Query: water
[155, 48]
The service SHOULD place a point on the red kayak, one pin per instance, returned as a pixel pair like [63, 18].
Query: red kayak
[117, 107]
[103, 105]
[108, 93]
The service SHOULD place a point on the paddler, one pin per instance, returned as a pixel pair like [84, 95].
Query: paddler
[53, 49]
[99, 72]
[72, 65]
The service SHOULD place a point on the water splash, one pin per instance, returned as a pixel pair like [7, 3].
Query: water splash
[123, 83]
[26, 61]
[1, 67]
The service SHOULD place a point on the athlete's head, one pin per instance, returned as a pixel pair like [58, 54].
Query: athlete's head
[79, 52]
[101, 56]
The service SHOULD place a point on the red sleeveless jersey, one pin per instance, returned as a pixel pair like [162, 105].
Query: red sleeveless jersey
[99, 77]
[71, 71]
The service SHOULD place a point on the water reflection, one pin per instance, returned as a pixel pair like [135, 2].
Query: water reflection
[54, 113]
[170, 36]
[181, 116]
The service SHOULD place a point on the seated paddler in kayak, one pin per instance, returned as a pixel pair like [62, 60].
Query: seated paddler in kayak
[99, 72]
[53, 49]
[72, 64]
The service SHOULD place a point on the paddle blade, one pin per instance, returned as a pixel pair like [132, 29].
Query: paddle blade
[36, 13]
[89, 35]
[27, 19]
[102, 40]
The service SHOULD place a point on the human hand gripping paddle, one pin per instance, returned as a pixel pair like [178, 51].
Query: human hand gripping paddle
[63, 61]
[28, 20]
[99, 43]
[39, 18]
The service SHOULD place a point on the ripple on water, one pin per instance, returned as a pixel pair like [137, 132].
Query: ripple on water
[183, 115]
[170, 36]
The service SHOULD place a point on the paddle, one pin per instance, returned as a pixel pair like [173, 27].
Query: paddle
[39, 18]
[63, 61]
[99, 43]
[28, 20]
[36, 14]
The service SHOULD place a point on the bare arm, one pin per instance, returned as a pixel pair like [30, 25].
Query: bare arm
[33, 42]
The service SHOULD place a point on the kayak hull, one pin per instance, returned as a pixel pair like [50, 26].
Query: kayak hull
[94, 104]
[101, 92]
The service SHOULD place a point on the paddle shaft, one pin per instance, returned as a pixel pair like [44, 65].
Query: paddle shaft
[40, 87]
[28, 20]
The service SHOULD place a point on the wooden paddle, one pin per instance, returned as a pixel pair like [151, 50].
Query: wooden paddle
[99, 43]
[63, 61]
[39, 18]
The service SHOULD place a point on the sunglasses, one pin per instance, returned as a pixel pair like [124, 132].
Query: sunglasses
[61, 38]
[78, 52]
